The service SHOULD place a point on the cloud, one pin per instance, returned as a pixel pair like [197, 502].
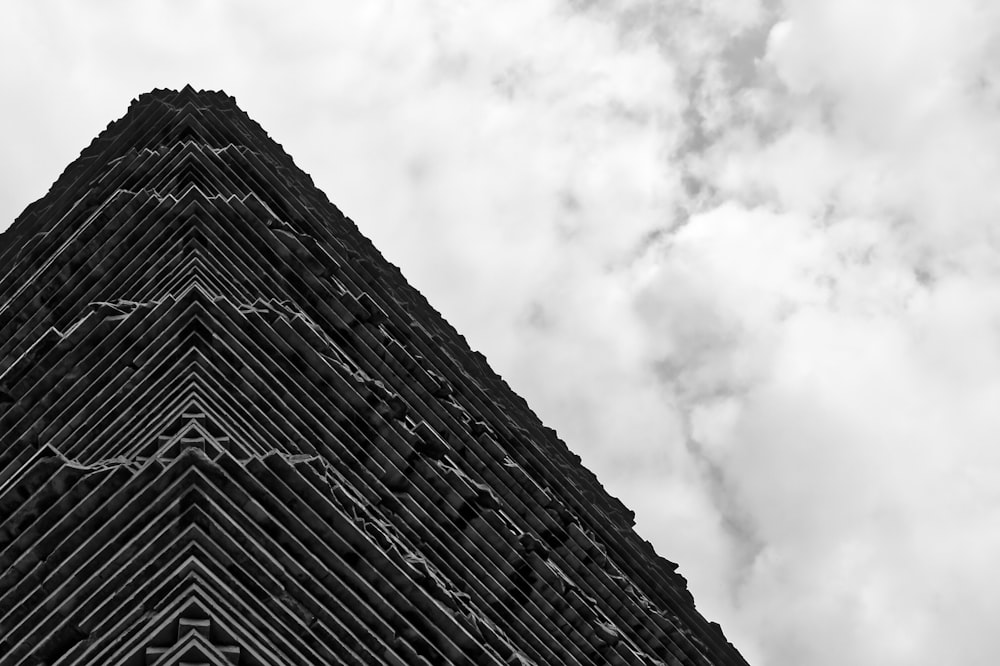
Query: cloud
[827, 318]
[742, 255]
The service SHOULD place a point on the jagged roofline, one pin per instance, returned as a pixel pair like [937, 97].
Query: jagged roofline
[186, 318]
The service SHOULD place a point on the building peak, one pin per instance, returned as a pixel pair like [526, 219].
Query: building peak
[187, 94]
[231, 432]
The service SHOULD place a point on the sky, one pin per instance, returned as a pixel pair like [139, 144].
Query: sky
[743, 255]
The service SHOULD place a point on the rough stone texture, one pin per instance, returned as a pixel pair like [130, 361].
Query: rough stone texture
[230, 432]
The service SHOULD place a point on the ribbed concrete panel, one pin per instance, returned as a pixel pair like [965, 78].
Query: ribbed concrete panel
[231, 433]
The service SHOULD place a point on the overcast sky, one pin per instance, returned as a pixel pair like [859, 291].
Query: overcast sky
[742, 255]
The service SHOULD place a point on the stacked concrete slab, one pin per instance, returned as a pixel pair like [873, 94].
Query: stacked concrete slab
[231, 433]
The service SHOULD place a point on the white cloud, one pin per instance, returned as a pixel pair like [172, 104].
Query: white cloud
[840, 292]
[740, 254]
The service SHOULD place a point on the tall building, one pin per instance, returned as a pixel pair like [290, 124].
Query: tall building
[231, 433]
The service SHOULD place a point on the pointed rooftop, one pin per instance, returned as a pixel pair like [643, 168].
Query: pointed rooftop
[231, 433]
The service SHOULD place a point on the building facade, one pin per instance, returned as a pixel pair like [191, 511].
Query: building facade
[231, 433]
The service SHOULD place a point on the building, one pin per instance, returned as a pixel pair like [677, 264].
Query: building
[231, 433]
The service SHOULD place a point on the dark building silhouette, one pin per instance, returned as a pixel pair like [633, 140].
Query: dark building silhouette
[231, 433]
